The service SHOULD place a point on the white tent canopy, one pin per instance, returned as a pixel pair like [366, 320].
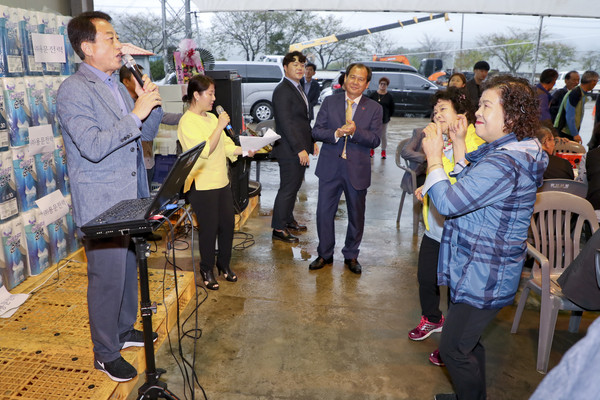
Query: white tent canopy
[562, 8]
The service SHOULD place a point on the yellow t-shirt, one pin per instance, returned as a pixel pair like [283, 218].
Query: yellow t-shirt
[210, 171]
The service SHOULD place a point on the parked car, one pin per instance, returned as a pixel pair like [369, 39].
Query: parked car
[411, 92]
[388, 66]
[325, 78]
[259, 79]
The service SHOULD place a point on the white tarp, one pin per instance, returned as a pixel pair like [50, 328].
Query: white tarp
[561, 8]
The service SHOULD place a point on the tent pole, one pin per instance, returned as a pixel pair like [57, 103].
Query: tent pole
[537, 49]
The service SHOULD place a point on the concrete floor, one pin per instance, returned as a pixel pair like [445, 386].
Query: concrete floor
[282, 332]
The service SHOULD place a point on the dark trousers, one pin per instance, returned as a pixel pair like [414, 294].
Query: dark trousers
[327, 205]
[291, 175]
[216, 221]
[112, 293]
[462, 351]
[150, 175]
[429, 291]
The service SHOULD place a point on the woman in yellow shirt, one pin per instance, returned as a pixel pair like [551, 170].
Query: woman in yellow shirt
[207, 185]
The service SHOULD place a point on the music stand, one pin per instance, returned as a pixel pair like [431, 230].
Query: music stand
[153, 388]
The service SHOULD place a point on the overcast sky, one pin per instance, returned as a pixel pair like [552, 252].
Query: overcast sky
[583, 34]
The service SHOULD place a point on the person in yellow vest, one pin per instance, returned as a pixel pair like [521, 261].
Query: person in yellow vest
[449, 106]
[207, 186]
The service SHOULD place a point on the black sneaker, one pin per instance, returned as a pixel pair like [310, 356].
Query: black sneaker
[118, 370]
[445, 396]
[136, 339]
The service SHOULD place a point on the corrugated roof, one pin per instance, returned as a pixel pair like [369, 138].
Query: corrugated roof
[129, 48]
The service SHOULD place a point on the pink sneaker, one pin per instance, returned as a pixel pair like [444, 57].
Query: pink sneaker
[435, 358]
[425, 329]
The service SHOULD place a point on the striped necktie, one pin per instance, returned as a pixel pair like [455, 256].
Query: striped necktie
[348, 120]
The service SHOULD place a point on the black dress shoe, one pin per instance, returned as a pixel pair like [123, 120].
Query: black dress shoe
[284, 236]
[319, 263]
[295, 226]
[353, 265]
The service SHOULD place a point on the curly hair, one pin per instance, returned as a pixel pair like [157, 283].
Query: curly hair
[519, 102]
[460, 101]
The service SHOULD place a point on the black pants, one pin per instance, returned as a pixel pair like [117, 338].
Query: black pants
[429, 291]
[291, 175]
[462, 351]
[215, 215]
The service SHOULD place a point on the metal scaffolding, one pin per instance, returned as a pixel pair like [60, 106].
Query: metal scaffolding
[180, 10]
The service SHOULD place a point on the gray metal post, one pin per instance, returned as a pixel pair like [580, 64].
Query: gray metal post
[164, 36]
[537, 49]
[188, 20]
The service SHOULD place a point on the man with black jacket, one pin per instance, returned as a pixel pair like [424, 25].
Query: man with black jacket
[292, 150]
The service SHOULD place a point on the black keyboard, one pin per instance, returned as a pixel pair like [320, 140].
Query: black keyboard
[127, 210]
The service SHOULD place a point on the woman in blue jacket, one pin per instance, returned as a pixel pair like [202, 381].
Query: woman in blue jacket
[488, 212]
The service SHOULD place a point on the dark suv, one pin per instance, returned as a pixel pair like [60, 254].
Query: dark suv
[411, 92]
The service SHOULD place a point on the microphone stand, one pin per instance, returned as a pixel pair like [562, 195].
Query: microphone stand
[153, 388]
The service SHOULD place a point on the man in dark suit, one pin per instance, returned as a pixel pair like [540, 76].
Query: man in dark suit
[103, 129]
[349, 125]
[292, 150]
[312, 90]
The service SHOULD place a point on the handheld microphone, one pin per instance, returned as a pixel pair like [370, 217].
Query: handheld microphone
[229, 129]
[132, 66]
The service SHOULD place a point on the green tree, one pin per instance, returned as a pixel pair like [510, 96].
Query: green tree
[379, 44]
[554, 55]
[512, 50]
[157, 69]
[337, 54]
[432, 47]
[145, 31]
[466, 59]
[258, 33]
[591, 62]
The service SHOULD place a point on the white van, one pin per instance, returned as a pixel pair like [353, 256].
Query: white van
[259, 79]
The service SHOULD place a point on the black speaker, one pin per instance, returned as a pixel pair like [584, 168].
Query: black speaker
[228, 93]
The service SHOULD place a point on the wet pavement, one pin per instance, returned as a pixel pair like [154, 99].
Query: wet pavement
[284, 332]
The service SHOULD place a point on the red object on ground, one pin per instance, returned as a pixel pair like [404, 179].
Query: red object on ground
[573, 158]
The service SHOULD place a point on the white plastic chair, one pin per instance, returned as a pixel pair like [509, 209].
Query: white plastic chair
[569, 147]
[557, 225]
[565, 185]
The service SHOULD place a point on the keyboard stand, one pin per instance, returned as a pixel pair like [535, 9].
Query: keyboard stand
[153, 388]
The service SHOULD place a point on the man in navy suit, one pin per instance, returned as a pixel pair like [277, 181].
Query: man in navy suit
[311, 88]
[349, 125]
[103, 131]
[292, 150]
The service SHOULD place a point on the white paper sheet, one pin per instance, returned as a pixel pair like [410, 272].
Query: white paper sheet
[52, 207]
[255, 143]
[10, 303]
[48, 48]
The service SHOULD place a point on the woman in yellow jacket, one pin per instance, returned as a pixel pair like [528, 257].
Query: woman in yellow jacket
[449, 106]
[207, 186]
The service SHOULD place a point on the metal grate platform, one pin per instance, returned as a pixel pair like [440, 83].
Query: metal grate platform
[45, 347]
